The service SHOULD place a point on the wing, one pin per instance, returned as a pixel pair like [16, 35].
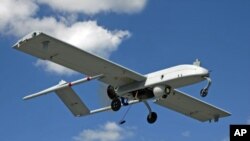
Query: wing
[48, 48]
[192, 107]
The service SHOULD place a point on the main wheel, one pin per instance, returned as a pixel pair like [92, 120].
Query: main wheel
[204, 92]
[116, 104]
[111, 92]
[152, 117]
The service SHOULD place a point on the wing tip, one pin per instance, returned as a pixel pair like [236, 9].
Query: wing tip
[26, 38]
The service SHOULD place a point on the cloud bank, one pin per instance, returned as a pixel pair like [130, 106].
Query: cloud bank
[108, 132]
[19, 17]
[92, 7]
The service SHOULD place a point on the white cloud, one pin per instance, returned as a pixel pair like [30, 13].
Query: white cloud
[19, 17]
[92, 7]
[86, 35]
[186, 134]
[15, 10]
[108, 132]
[54, 68]
[92, 37]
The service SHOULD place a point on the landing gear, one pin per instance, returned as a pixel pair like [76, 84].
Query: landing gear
[111, 92]
[204, 91]
[152, 116]
[116, 104]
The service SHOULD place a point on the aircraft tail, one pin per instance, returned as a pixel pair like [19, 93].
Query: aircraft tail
[73, 102]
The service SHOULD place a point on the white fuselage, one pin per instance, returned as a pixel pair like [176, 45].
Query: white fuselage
[175, 77]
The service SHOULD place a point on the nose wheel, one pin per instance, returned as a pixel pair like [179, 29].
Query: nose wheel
[204, 91]
[152, 116]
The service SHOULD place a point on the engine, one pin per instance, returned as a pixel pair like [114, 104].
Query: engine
[161, 91]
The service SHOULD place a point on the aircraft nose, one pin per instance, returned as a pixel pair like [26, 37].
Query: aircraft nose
[203, 71]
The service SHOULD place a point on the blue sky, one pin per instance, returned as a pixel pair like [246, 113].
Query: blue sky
[149, 36]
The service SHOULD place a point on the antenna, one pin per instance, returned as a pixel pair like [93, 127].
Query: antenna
[122, 121]
[197, 62]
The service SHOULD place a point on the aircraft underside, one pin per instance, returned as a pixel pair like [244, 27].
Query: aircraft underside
[158, 92]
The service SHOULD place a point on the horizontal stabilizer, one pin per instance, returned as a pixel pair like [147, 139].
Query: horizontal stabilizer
[192, 107]
[73, 102]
